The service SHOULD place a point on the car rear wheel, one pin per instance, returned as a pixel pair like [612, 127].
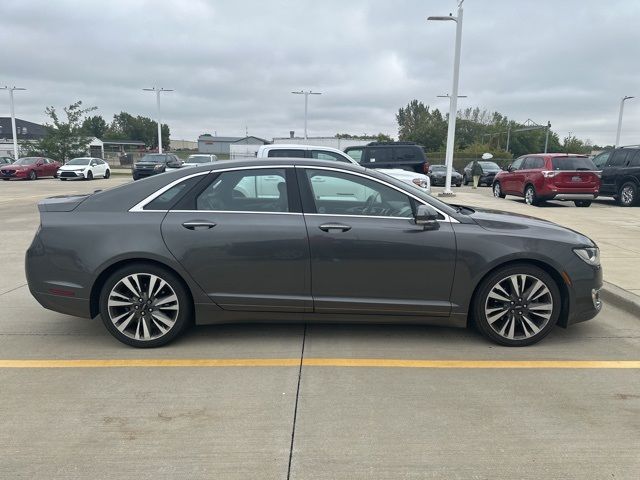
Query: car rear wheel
[582, 203]
[497, 190]
[107, 174]
[530, 196]
[145, 306]
[517, 305]
[32, 175]
[628, 195]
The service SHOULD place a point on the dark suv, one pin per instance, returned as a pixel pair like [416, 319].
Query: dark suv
[621, 176]
[154, 163]
[404, 155]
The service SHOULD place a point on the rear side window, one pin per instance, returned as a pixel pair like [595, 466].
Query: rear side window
[618, 159]
[407, 154]
[169, 198]
[572, 163]
[535, 163]
[635, 160]
[281, 152]
[380, 155]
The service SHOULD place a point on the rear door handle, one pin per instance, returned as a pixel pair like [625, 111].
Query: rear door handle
[327, 227]
[198, 225]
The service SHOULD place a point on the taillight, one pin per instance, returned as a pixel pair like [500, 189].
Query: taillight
[548, 173]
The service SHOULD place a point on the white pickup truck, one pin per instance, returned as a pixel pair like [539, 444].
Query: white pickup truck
[328, 153]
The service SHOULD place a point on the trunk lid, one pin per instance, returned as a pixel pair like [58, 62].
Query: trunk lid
[62, 203]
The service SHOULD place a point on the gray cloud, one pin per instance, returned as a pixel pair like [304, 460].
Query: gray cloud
[233, 64]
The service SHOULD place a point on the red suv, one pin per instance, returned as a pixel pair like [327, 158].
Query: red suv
[548, 176]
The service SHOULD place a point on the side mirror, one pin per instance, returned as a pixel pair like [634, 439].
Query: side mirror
[507, 168]
[426, 215]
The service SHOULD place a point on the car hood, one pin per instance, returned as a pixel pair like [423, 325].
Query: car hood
[147, 164]
[66, 168]
[504, 222]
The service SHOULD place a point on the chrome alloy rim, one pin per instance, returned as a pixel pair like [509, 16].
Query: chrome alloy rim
[528, 196]
[496, 190]
[627, 195]
[518, 306]
[143, 306]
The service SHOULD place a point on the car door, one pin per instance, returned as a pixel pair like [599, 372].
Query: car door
[517, 177]
[507, 178]
[612, 171]
[367, 254]
[247, 250]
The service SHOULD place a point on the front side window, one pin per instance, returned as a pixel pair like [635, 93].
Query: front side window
[322, 155]
[256, 190]
[355, 153]
[286, 153]
[618, 159]
[338, 193]
[601, 160]
[517, 163]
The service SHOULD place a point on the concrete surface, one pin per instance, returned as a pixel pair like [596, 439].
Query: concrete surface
[347, 422]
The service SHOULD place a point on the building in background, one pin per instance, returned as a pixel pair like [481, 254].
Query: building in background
[339, 143]
[222, 145]
[182, 145]
[24, 131]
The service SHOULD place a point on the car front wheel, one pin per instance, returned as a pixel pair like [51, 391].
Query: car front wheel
[145, 306]
[628, 195]
[107, 174]
[32, 175]
[497, 190]
[517, 305]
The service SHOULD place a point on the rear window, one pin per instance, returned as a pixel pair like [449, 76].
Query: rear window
[284, 153]
[572, 163]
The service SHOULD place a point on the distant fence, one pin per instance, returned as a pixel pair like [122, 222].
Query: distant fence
[460, 162]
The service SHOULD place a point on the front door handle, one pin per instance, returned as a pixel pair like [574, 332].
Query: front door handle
[198, 225]
[327, 227]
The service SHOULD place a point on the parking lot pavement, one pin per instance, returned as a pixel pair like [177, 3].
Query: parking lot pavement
[361, 402]
[615, 229]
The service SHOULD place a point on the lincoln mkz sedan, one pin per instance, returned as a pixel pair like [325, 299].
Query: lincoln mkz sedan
[290, 240]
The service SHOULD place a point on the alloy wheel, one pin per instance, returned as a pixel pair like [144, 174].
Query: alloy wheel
[518, 306]
[143, 306]
[529, 196]
[627, 194]
[496, 190]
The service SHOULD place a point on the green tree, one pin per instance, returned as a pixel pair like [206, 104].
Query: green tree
[64, 139]
[380, 137]
[417, 123]
[95, 126]
[127, 127]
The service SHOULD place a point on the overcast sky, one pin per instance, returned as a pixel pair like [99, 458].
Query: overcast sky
[233, 64]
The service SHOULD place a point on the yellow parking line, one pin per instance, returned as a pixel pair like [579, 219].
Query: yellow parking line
[323, 362]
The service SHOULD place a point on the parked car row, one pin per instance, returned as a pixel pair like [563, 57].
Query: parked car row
[32, 168]
[562, 176]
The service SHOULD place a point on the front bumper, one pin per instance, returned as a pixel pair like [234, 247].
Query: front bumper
[70, 174]
[13, 174]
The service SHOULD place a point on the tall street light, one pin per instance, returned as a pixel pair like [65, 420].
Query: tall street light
[158, 91]
[306, 94]
[453, 98]
[620, 118]
[13, 119]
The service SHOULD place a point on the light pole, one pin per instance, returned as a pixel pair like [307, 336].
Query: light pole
[13, 119]
[158, 91]
[620, 118]
[453, 98]
[306, 94]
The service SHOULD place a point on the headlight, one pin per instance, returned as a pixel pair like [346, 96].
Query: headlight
[421, 182]
[157, 168]
[590, 255]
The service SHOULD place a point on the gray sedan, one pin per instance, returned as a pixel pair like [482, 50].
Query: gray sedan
[303, 240]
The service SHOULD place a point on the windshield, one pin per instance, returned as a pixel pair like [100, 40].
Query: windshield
[199, 159]
[572, 163]
[26, 161]
[157, 158]
[489, 165]
[79, 161]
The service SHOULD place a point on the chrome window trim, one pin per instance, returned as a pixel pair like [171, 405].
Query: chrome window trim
[232, 211]
[139, 207]
[447, 218]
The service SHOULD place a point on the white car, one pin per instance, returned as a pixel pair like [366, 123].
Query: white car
[198, 159]
[328, 153]
[85, 168]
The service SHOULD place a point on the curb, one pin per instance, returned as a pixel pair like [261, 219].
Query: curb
[620, 298]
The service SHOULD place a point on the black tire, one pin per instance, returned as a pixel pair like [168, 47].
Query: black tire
[63, 179]
[628, 194]
[482, 304]
[90, 175]
[6, 179]
[530, 195]
[465, 180]
[582, 203]
[497, 190]
[182, 319]
[32, 175]
[107, 174]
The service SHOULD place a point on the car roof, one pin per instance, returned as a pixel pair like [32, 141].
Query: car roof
[299, 146]
[555, 155]
[279, 161]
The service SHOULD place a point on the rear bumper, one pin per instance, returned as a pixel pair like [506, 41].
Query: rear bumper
[575, 196]
[78, 307]
[585, 299]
